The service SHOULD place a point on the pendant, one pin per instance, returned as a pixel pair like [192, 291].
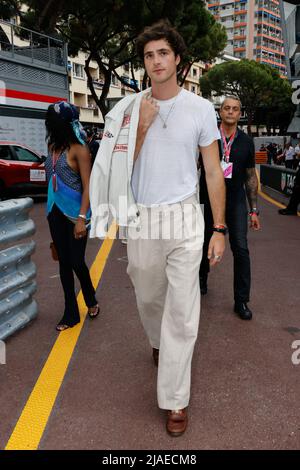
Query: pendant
[165, 125]
[54, 182]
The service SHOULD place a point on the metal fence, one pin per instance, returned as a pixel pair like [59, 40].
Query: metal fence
[33, 47]
[17, 271]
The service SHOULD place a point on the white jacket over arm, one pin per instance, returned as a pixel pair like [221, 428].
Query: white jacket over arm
[110, 182]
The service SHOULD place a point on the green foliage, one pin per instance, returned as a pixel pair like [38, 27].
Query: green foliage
[8, 9]
[106, 30]
[257, 86]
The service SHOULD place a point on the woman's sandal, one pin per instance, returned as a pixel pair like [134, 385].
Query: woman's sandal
[65, 326]
[93, 314]
[61, 327]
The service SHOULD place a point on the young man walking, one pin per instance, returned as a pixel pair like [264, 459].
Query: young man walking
[238, 162]
[166, 236]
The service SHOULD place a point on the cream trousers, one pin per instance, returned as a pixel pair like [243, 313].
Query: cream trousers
[164, 256]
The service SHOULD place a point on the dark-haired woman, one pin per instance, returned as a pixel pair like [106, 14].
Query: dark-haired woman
[68, 168]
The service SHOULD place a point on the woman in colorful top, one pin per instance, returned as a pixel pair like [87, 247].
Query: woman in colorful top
[68, 168]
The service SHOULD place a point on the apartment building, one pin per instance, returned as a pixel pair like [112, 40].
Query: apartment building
[254, 30]
[192, 80]
[81, 96]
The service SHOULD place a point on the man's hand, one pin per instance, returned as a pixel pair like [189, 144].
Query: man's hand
[254, 222]
[148, 112]
[216, 248]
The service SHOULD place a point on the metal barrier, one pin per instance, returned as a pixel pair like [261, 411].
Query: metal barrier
[279, 178]
[31, 46]
[17, 271]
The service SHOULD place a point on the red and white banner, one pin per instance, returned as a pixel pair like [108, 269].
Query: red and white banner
[26, 100]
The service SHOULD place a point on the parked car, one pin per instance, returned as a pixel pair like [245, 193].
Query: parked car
[22, 169]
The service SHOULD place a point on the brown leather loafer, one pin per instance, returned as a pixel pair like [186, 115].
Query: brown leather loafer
[177, 422]
[155, 355]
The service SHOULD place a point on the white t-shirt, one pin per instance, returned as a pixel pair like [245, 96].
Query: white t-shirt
[165, 171]
[290, 153]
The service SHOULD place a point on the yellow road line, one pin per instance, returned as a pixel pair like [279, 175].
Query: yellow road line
[269, 198]
[33, 420]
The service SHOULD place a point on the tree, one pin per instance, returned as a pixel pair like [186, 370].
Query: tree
[279, 108]
[257, 85]
[106, 31]
[9, 8]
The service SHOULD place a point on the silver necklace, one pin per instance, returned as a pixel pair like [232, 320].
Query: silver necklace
[169, 112]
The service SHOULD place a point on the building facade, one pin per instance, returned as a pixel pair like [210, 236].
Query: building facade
[81, 96]
[254, 30]
[33, 74]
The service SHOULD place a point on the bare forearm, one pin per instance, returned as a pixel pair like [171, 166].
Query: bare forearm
[217, 195]
[215, 181]
[251, 187]
[85, 201]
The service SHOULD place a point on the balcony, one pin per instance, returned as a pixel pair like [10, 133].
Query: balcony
[228, 24]
[90, 115]
[98, 83]
[28, 47]
[227, 12]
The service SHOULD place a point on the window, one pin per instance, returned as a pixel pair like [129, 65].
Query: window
[5, 153]
[78, 71]
[194, 72]
[24, 155]
[193, 89]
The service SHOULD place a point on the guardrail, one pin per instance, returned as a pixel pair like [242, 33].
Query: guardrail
[17, 271]
[278, 178]
[19, 42]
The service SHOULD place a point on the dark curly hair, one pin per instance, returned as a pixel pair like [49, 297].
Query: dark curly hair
[161, 30]
[59, 132]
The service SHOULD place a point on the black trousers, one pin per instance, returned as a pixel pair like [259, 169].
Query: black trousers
[295, 197]
[237, 222]
[71, 253]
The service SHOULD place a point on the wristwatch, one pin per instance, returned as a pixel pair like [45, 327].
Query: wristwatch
[220, 228]
[254, 210]
[82, 216]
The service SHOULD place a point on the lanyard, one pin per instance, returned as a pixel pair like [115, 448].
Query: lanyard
[226, 146]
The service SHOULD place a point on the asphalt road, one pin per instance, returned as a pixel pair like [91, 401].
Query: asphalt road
[245, 387]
